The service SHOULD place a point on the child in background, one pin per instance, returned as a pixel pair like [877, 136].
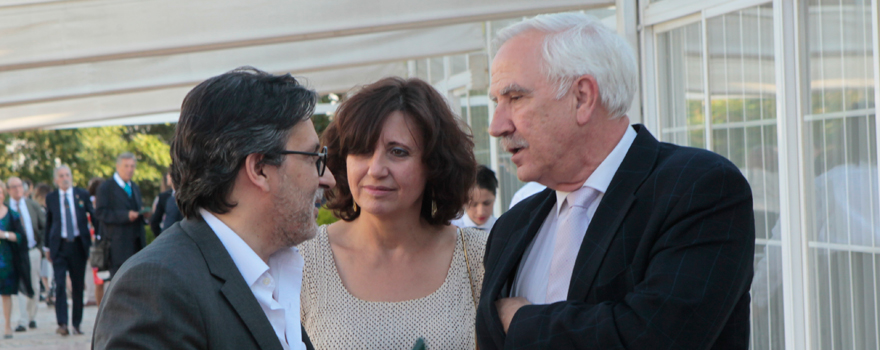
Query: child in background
[478, 212]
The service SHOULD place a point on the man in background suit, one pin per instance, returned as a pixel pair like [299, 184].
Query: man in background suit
[118, 208]
[246, 167]
[635, 244]
[165, 211]
[157, 218]
[68, 241]
[33, 219]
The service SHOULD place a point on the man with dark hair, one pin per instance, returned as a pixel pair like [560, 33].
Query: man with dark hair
[68, 242]
[118, 203]
[635, 244]
[165, 211]
[159, 203]
[247, 164]
[481, 202]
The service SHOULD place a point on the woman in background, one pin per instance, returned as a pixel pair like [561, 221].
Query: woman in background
[478, 212]
[14, 267]
[393, 270]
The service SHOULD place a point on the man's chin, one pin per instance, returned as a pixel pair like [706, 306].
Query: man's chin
[524, 174]
[307, 233]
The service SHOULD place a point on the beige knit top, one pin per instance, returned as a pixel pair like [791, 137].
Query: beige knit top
[336, 320]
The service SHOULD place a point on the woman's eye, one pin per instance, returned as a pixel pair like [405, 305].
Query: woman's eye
[399, 152]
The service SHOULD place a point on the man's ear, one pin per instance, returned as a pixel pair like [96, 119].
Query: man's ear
[254, 170]
[586, 91]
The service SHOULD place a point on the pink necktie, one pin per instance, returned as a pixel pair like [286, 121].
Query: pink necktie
[569, 235]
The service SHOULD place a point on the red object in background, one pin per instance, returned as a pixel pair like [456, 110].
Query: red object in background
[98, 280]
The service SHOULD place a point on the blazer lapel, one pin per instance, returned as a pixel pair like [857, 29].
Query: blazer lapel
[234, 288]
[512, 253]
[122, 194]
[520, 239]
[136, 196]
[633, 171]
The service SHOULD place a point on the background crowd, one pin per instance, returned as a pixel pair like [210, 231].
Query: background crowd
[110, 222]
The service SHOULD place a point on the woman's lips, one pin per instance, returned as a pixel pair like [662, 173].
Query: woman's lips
[377, 190]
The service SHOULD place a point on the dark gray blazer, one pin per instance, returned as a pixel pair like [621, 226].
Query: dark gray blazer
[183, 291]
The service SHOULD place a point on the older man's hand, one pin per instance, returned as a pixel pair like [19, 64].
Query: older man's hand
[507, 307]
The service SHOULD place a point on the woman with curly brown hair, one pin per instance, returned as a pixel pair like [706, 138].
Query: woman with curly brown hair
[393, 270]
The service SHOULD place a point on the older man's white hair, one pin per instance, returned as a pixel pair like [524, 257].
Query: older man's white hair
[577, 44]
[58, 168]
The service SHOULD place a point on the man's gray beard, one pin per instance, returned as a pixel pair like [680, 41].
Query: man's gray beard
[294, 222]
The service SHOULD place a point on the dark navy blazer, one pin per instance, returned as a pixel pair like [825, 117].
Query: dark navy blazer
[666, 262]
[82, 205]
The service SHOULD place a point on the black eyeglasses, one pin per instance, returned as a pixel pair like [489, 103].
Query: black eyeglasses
[322, 158]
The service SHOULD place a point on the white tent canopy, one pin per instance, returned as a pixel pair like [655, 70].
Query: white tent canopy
[99, 62]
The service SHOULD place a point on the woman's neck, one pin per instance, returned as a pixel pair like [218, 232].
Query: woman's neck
[391, 233]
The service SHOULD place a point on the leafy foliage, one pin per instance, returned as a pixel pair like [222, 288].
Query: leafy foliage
[326, 217]
[90, 152]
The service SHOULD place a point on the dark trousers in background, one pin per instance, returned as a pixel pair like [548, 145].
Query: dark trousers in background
[72, 259]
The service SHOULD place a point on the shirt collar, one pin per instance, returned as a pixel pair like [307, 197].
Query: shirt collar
[468, 222]
[248, 262]
[119, 180]
[601, 177]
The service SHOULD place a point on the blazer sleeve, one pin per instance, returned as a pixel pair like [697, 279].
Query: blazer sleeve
[149, 307]
[50, 218]
[90, 209]
[701, 264]
[106, 213]
[41, 216]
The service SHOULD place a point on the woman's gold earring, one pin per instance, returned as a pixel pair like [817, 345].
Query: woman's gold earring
[354, 205]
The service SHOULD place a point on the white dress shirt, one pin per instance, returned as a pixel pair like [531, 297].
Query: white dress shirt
[67, 196]
[533, 275]
[119, 181]
[465, 221]
[276, 286]
[524, 192]
[21, 207]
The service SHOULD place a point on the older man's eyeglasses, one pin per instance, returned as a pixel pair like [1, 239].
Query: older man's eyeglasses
[322, 158]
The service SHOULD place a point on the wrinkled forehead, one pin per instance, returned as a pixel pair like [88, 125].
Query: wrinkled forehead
[62, 172]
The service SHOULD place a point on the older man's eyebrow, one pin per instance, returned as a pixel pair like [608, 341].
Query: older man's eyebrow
[514, 88]
[510, 88]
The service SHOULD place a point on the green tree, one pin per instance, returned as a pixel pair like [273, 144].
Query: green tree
[90, 152]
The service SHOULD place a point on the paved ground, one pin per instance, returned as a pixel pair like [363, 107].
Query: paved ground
[44, 337]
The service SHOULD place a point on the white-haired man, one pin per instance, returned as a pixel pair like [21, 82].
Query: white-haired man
[118, 209]
[68, 241]
[636, 243]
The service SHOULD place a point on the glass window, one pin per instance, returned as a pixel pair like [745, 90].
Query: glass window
[742, 105]
[841, 178]
[682, 106]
